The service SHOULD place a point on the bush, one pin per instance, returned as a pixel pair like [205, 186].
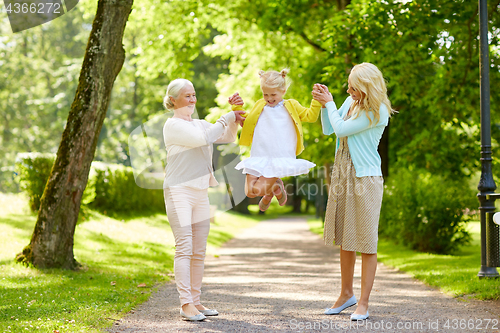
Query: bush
[34, 171]
[116, 191]
[426, 212]
[111, 187]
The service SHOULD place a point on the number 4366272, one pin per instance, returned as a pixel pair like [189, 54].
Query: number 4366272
[33, 8]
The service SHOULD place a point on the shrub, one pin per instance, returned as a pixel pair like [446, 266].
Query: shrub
[111, 187]
[116, 191]
[426, 212]
[34, 171]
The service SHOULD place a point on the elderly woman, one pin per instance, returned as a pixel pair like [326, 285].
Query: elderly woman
[189, 173]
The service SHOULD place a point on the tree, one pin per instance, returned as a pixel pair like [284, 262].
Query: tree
[52, 240]
[428, 51]
[38, 70]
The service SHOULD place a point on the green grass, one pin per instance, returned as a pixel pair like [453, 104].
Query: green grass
[455, 274]
[124, 259]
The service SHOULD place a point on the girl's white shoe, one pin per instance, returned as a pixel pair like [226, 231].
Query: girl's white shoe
[262, 206]
[283, 198]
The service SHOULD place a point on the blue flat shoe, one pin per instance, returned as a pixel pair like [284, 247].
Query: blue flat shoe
[355, 317]
[350, 302]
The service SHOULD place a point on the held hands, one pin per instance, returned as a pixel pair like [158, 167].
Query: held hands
[321, 94]
[239, 118]
[235, 99]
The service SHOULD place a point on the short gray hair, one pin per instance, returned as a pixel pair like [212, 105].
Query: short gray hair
[173, 90]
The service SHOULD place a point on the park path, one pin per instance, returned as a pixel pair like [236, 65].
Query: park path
[278, 277]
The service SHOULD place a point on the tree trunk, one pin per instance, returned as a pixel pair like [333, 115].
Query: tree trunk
[52, 240]
[342, 4]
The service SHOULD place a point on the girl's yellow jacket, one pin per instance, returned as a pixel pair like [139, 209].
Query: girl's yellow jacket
[296, 111]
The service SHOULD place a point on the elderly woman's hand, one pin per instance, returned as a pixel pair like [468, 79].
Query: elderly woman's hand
[239, 117]
[321, 94]
[235, 99]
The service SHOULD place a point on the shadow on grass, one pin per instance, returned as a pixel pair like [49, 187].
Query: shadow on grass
[131, 256]
[218, 237]
[18, 221]
[87, 214]
[115, 276]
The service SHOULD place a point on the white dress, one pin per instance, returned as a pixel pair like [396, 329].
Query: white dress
[273, 146]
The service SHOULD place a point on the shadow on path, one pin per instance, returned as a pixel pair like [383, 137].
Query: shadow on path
[279, 277]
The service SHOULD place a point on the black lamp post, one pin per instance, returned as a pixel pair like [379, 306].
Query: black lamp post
[490, 240]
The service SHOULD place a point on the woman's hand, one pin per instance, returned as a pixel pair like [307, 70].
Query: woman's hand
[239, 117]
[321, 94]
[235, 99]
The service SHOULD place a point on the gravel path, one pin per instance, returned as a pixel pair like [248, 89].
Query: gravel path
[278, 277]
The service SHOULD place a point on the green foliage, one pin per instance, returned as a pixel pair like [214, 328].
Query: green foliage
[426, 212]
[111, 188]
[116, 191]
[428, 52]
[156, 55]
[34, 171]
[8, 179]
[37, 84]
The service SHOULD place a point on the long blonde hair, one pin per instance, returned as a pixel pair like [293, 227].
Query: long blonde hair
[368, 79]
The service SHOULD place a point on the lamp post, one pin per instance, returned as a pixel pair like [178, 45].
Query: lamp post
[490, 251]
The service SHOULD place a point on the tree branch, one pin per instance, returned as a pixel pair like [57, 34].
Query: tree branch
[469, 48]
[310, 42]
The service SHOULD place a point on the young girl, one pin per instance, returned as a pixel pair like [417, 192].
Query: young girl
[356, 188]
[274, 130]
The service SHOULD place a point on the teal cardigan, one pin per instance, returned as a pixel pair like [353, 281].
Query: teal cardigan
[362, 138]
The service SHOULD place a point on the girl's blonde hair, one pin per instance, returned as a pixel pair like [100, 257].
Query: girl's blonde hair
[274, 79]
[368, 79]
[173, 90]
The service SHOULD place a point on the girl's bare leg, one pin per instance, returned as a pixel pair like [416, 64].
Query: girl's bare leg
[249, 185]
[260, 186]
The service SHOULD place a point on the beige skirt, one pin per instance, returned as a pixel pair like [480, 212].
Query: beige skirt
[353, 209]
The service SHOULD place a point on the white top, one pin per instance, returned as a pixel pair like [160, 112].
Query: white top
[274, 145]
[189, 146]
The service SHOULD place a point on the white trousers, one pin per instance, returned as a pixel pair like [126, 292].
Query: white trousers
[188, 212]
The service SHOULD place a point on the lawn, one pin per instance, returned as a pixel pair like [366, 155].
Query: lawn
[124, 259]
[455, 274]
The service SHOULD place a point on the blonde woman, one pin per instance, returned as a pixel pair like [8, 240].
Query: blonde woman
[187, 177]
[274, 130]
[356, 187]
